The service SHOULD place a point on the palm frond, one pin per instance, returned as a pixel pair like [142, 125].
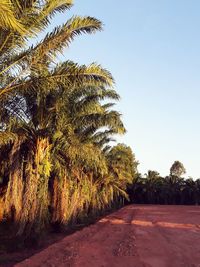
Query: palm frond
[8, 20]
[62, 36]
[7, 138]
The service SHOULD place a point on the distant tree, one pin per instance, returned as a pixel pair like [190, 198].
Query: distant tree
[190, 192]
[136, 189]
[173, 189]
[198, 191]
[177, 169]
[152, 185]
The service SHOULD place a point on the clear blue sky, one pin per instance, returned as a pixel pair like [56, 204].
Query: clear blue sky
[152, 49]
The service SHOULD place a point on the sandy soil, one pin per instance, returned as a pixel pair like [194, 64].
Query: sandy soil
[135, 236]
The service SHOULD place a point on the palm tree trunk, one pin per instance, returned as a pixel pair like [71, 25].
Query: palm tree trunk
[60, 200]
[14, 193]
[34, 215]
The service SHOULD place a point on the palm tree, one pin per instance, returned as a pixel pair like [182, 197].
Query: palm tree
[190, 192]
[122, 170]
[55, 132]
[197, 191]
[172, 188]
[62, 126]
[152, 186]
[8, 18]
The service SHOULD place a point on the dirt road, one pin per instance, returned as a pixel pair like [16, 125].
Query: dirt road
[135, 236]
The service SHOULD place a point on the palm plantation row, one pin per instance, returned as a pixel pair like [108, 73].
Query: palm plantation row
[172, 189]
[56, 123]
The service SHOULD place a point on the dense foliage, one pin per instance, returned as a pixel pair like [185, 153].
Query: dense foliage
[56, 124]
[172, 189]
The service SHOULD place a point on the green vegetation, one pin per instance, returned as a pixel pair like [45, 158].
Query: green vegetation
[172, 189]
[56, 124]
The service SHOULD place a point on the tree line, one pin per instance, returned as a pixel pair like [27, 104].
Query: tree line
[172, 189]
[57, 122]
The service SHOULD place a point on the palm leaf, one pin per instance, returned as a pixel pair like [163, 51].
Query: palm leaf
[8, 20]
[7, 138]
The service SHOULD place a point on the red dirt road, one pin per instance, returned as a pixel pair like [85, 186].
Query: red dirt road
[135, 236]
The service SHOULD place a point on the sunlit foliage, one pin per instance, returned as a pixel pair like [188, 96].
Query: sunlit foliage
[56, 124]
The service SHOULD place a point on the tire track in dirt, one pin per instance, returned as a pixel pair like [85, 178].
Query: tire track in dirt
[114, 244]
[109, 242]
[166, 241]
[135, 236]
